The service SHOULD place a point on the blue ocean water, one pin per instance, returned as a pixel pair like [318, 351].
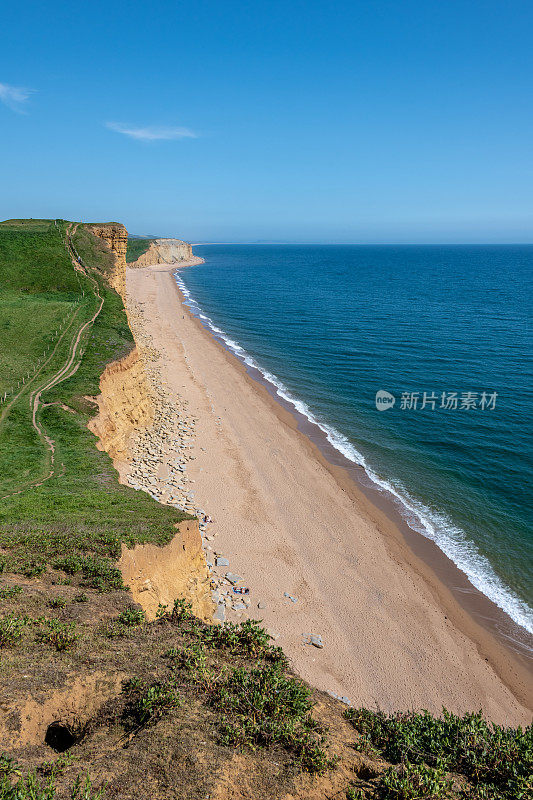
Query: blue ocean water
[332, 325]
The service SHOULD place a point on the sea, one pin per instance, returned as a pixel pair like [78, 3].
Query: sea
[416, 363]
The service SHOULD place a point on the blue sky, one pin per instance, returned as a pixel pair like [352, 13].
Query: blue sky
[355, 121]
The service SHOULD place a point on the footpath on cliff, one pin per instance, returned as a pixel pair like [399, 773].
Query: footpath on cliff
[111, 687]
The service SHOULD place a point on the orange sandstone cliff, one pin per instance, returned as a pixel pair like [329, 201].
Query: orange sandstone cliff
[164, 251]
[115, 236]
[126, 406]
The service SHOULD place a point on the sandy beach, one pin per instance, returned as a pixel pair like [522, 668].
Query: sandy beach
[315, 554]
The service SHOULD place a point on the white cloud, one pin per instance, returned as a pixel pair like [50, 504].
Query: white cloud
[151, 133]
[14, 96]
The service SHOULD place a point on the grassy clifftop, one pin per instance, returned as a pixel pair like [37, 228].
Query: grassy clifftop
[68, 500]
[136, 247]
[95, 702]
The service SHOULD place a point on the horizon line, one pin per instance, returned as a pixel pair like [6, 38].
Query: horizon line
[370, 244]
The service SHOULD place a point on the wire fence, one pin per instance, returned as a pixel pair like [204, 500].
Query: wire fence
[41, 361]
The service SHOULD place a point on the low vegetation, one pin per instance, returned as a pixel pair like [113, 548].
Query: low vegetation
[76, 520]
[34, 787]
[11, 629]
[434, 754]
[136, 247]
[174, 707]
[61, 635]
[263, 706]
[148, 703]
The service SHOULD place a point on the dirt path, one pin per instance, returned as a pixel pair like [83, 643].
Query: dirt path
[66, 371]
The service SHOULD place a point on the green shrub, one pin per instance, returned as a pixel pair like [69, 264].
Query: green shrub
[7, 592]
[57, 602]
[8, 766]
[182, 609]
[485, 753]
[193, 661]
[96, 571]
[81, 598]
[123, 624]
[115, 630]
[414, 782]
[262, 707]
[11, 629]
[131, 617]
[148, 703]
[71, 563]
[245, 639]
[31, 567]
[61, 635]
[161, 612]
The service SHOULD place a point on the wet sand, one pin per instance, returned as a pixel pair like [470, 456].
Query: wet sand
[289, 521]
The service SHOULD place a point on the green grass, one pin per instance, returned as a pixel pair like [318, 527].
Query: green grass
[39, 290]
[77, 520]
[27, 326]
[36, 262]
[31, 787]
[27, 225]
[136, 247]
[93, 250]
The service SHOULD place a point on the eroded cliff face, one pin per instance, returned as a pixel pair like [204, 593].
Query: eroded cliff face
[161, 574]
[125, 406]
[164, 251]
[115, 236]
[154, 574]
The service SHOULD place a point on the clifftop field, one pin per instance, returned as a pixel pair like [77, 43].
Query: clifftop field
[136, 247]
[96, 702]
[81, 504]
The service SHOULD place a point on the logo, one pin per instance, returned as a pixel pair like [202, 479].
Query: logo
[384, 400]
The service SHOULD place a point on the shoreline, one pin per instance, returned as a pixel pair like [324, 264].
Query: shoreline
[409, 555]
[384, 507]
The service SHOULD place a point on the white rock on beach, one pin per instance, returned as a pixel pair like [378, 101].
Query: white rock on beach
[232, 578]
[291, 597]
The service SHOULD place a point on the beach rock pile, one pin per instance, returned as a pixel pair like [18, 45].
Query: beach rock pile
[160, 456]
[161, 452]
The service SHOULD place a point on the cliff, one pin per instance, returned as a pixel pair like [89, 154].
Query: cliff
[125, 406]
[160, 251]
[154, 574]
[115, 236]
[164, 251]
[157, 575]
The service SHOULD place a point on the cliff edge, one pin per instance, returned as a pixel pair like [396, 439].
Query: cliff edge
[164, 251]
[115, 236]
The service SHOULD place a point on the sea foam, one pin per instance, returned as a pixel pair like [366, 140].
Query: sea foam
[438, 527]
